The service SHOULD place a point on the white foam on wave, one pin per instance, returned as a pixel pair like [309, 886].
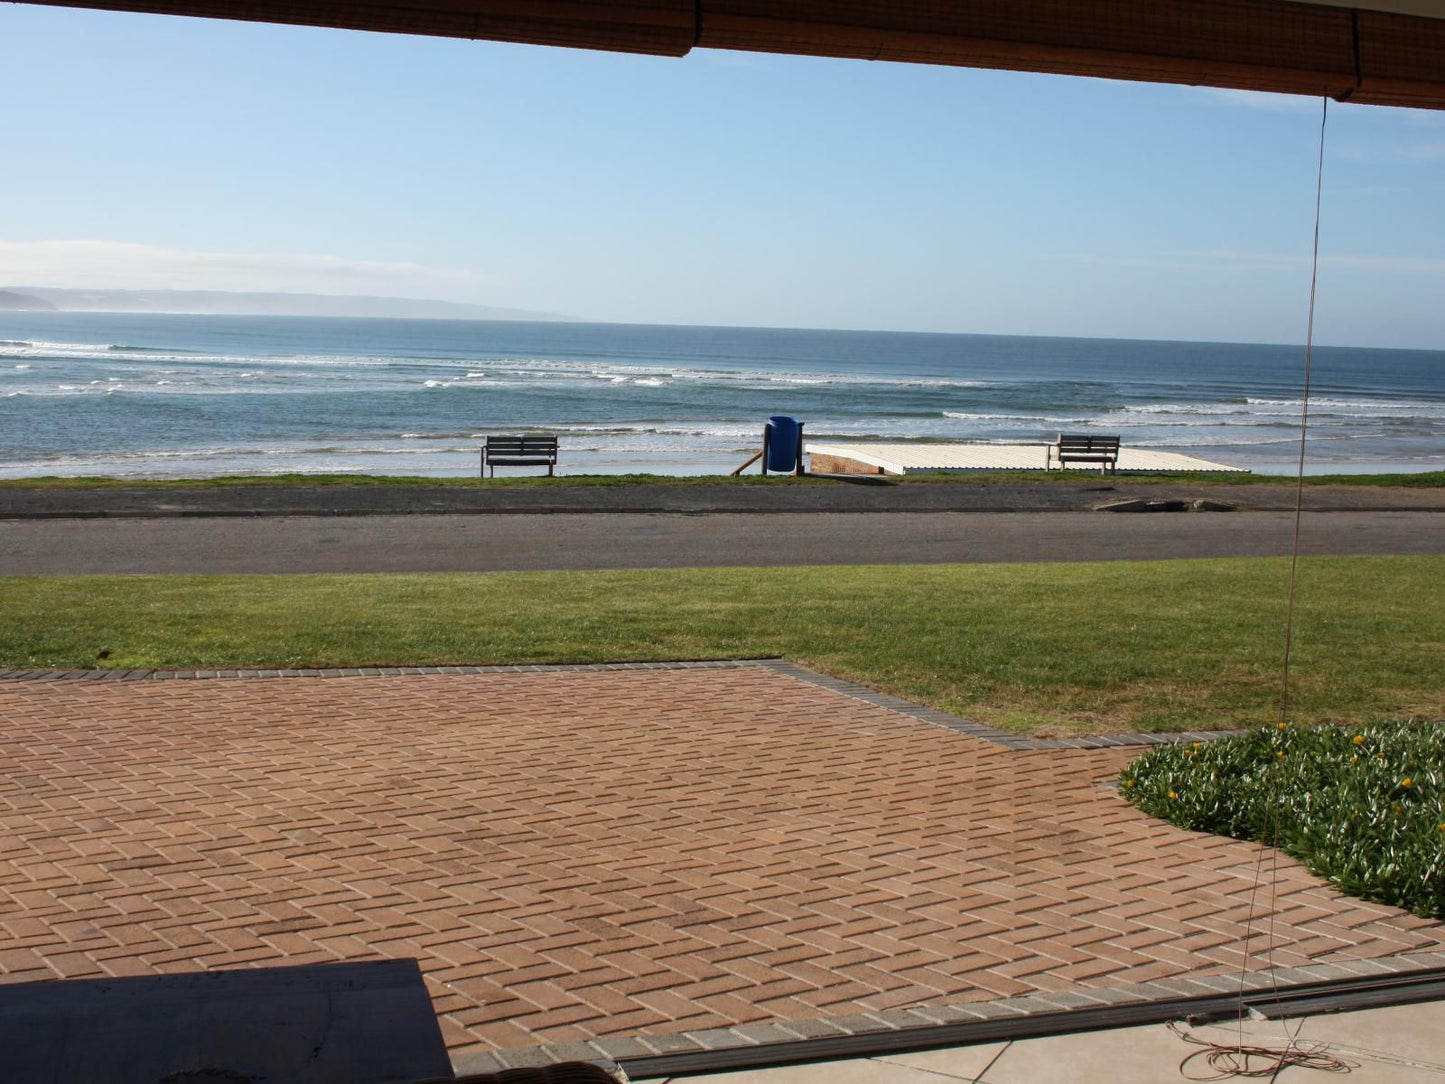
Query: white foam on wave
[972, 416]
[1209, 441]
[460, 382]
[1201, 409]
[1366, 407]
[12, 348]
[39, 345]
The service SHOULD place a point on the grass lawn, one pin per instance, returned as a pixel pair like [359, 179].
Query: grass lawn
[1044, 649]
[454, 481]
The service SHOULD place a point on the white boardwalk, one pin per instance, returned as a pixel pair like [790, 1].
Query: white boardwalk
[912, 458]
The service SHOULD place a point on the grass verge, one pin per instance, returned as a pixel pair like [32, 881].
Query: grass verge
[1423, 480]
[1042, 649]
[1363, 806]
[323, 481]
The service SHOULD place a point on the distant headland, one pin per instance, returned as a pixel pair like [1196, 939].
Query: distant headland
[9, 299]
[230, 303]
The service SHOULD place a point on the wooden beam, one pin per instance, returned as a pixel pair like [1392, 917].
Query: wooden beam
[1292, 47]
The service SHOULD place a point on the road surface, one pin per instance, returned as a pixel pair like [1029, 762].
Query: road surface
[496, 542]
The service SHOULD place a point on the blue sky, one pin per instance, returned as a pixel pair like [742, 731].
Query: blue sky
[722, 188]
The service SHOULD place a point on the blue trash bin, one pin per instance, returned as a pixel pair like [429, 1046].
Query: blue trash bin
[785, 444]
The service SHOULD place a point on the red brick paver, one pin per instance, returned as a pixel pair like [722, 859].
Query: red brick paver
[575, 854]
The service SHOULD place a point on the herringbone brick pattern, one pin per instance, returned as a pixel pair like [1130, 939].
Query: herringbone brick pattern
[581, 854]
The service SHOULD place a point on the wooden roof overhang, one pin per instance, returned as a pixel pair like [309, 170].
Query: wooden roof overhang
[1394, 56]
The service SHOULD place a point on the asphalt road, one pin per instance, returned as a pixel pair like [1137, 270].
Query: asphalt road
[484, 543]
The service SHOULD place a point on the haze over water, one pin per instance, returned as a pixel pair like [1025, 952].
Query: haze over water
[168, 395]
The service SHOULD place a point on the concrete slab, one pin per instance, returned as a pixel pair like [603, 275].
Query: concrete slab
[966, 1062]
[859, 1071]
[1399, 1037]
[1144, 1054]
[918, 458]
[1398, 1045]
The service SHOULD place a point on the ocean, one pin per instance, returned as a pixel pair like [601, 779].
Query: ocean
[151, 395]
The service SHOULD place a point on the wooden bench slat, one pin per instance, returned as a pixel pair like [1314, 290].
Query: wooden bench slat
[522, 451]
[1085, 448]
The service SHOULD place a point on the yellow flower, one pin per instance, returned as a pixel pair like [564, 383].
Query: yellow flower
[1172, 795]
[1130, 783]
[1280, 753]
[1358, 739]
[1354, 758]
[1279, 726]
[1197, 744]
[1407, 782]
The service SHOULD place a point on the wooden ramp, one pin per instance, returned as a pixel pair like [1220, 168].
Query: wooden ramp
[829, 458]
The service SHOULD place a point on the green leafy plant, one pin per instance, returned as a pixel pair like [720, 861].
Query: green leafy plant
[1362, 806]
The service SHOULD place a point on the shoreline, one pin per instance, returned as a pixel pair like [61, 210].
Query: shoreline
[460, 466]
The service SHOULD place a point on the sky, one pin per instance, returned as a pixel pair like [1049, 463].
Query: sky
[148, 152]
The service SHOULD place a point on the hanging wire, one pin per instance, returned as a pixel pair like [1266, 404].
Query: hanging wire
[1254, 1061]
[1304, 418]
[1241, 1059]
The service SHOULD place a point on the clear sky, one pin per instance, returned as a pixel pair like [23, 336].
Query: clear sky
[722, 188]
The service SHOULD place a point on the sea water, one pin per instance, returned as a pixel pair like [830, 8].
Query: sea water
[148, 395]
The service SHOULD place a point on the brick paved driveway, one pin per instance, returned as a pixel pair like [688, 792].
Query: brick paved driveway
[582, 853]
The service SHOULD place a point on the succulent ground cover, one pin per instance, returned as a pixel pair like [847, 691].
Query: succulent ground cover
[1362, 806]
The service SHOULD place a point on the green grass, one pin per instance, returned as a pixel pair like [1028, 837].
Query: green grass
[1363, 806]
[1046, 649]
[1424, 480]
[468, 481]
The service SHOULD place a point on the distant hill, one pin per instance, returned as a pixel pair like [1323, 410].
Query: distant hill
[9, 299]
[225, 302]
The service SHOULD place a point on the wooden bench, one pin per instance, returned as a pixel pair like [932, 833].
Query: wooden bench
[539, 451]
[1083, 448]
